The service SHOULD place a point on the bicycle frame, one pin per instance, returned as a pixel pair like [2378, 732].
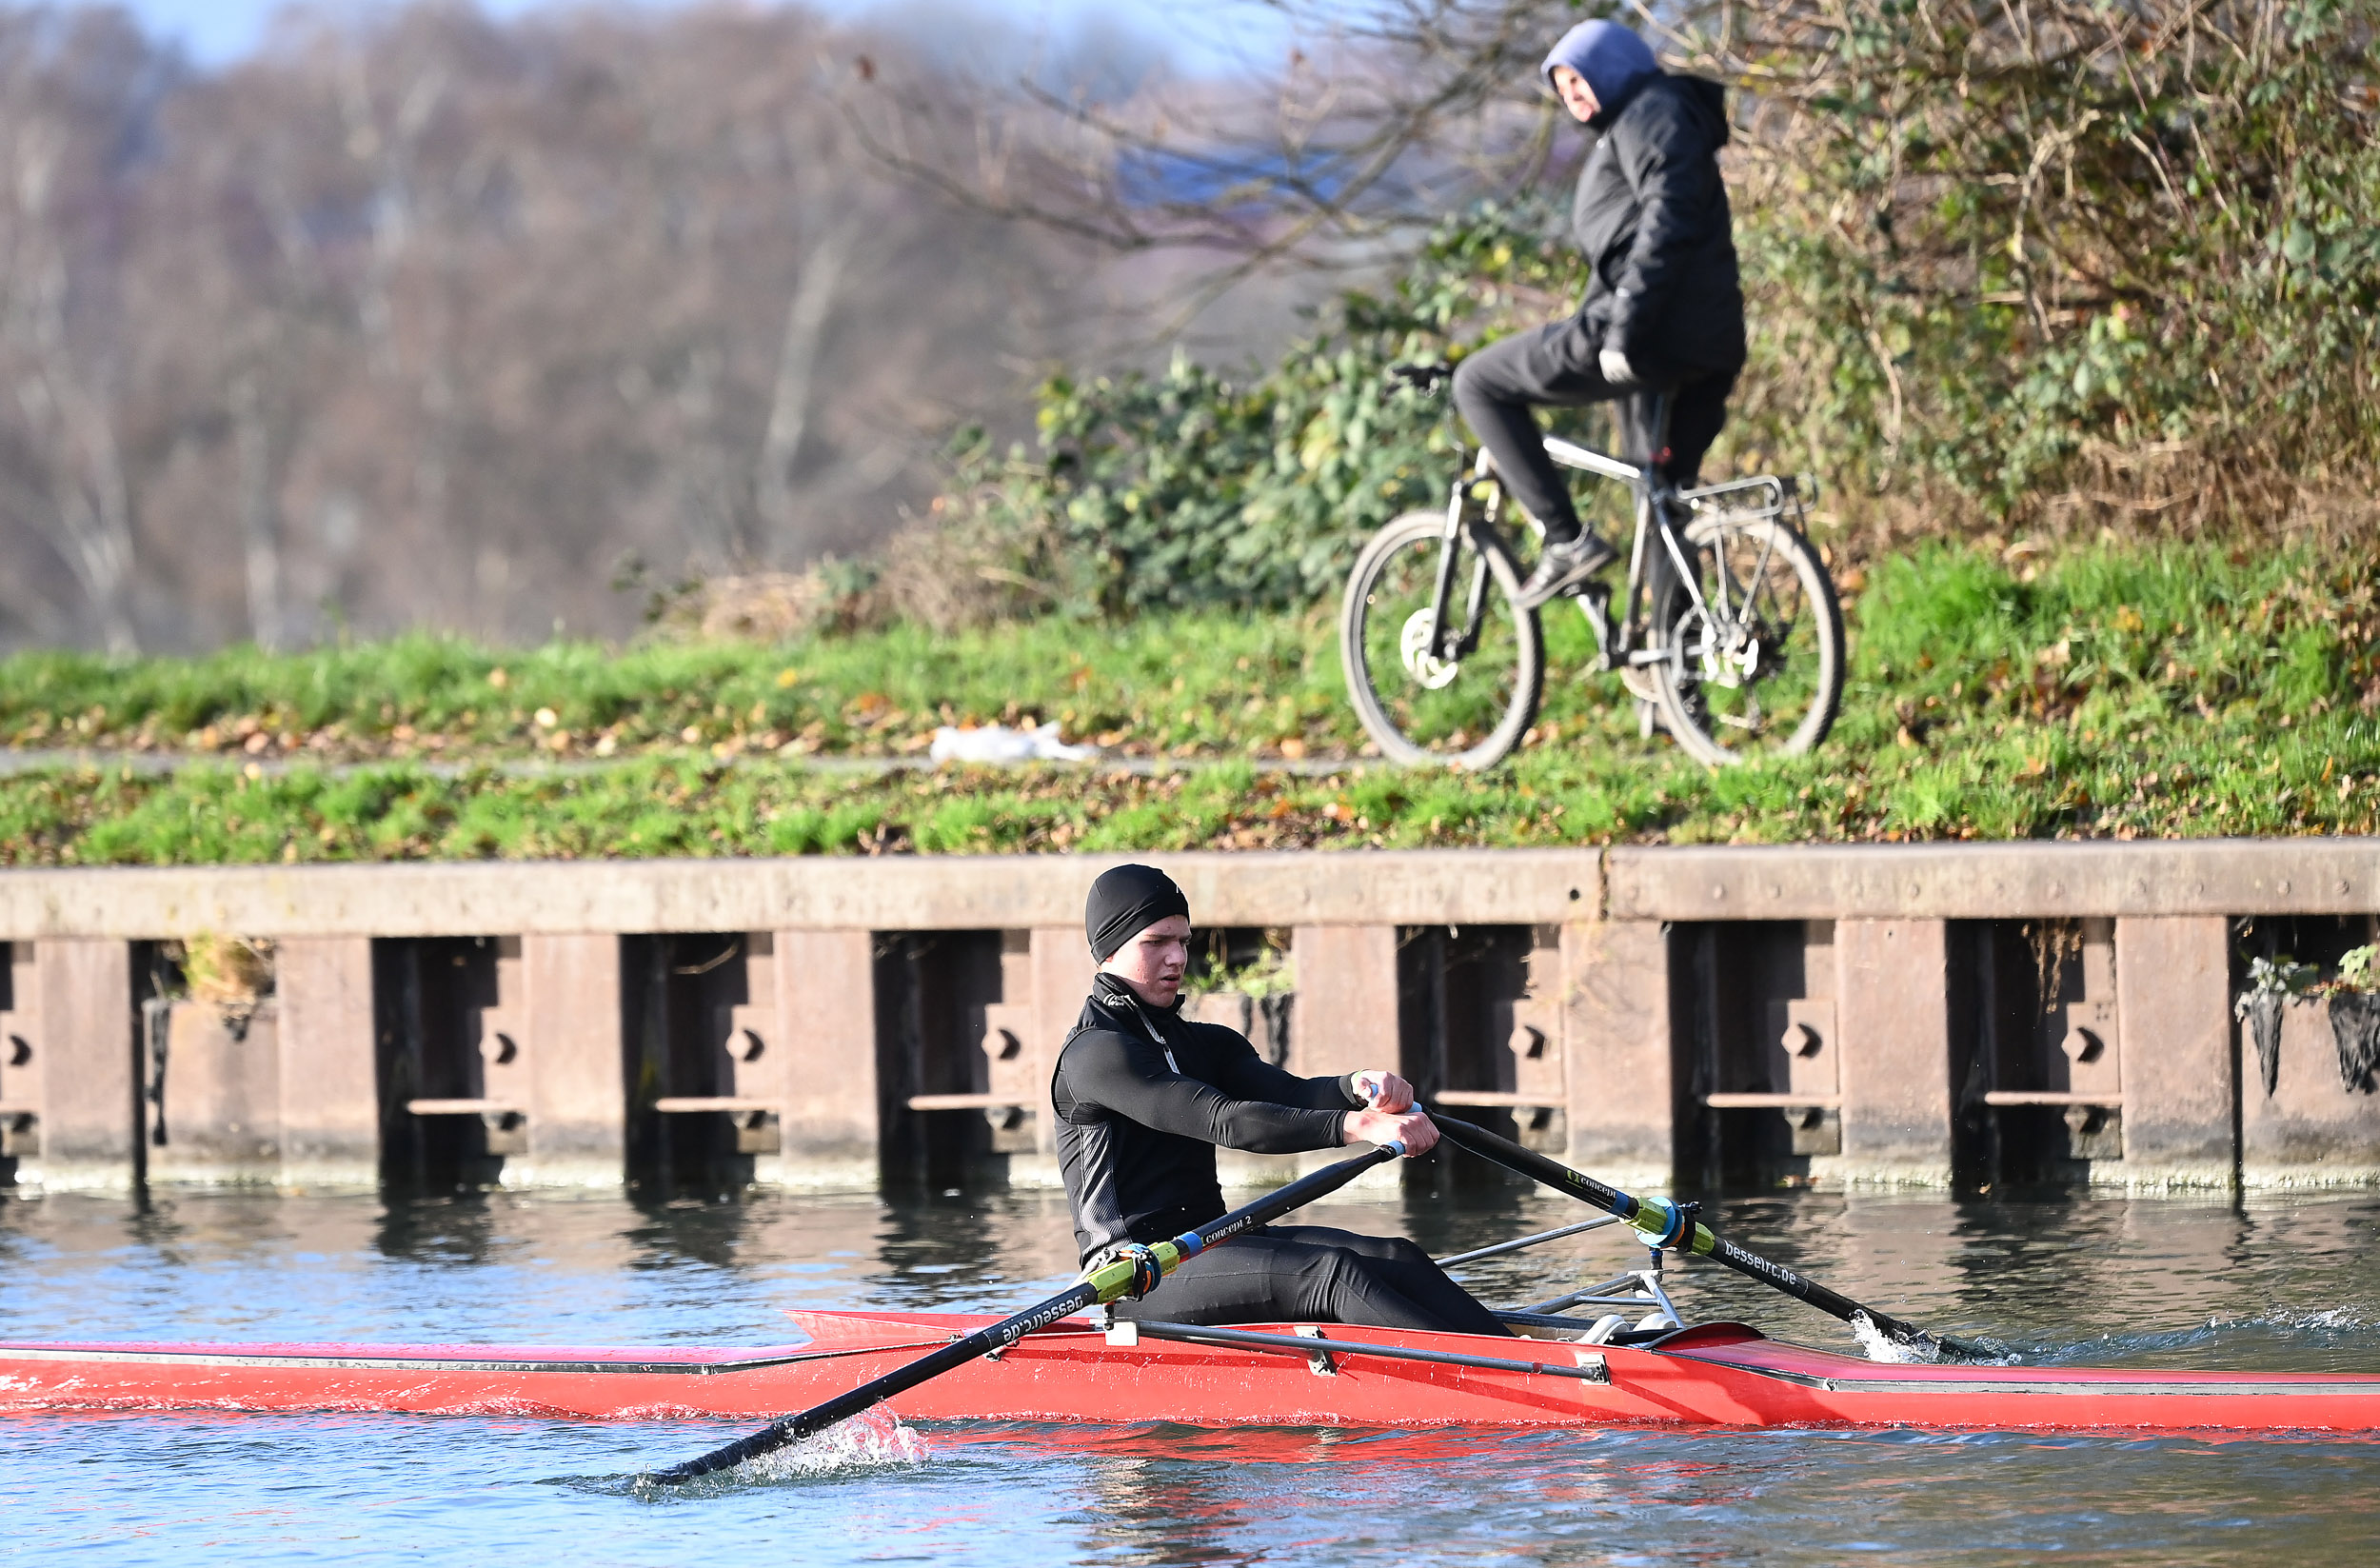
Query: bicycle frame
[1723, 593]
[1653, 495]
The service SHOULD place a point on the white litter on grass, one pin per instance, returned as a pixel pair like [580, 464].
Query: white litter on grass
[1880, 1346]
[999, 744]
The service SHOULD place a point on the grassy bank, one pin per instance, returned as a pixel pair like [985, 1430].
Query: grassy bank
[2099, 691]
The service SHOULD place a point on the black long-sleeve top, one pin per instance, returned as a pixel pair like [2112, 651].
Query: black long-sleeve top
[1651, 217]
[1142, 1097]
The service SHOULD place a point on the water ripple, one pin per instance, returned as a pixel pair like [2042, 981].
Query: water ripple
[2285, 1284]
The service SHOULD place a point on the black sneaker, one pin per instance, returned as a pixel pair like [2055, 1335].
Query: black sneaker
[1565, 568]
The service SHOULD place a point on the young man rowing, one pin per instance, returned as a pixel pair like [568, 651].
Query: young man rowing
[1142, 1097]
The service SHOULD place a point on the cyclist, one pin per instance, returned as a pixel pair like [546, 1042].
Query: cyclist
[1664, 309]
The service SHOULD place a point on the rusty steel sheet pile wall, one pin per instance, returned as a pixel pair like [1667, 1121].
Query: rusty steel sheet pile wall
[1826, 1013]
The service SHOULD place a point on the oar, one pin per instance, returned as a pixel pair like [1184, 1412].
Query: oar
[1136, 1273]
[1665, 1224]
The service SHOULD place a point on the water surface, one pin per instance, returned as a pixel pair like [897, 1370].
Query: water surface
[2276, 1284]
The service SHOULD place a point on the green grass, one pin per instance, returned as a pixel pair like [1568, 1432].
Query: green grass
[1205, 683]
[2104, 691]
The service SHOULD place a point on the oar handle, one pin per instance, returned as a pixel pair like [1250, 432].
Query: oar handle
[1131, 1274]
[1665, 1224]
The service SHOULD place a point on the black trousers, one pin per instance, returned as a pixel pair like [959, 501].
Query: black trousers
[1312, 1273]
[1556, 365]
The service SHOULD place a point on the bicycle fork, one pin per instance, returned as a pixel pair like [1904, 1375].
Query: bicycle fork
[1448, 644]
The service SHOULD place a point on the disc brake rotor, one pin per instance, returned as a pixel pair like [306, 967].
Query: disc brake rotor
[1726, 658]
[1422, 662]
[1724, 655]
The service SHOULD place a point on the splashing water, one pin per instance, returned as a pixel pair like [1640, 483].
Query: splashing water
[2345, 1317]
[874, 1439]
[1880, 1346]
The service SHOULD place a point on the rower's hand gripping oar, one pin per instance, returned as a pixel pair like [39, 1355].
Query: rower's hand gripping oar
[1668, 1225]
[1135, 1273]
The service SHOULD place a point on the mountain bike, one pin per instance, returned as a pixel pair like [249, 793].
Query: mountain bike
[1727, 631]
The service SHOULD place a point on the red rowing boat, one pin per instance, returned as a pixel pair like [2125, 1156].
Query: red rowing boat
[1718, 1373]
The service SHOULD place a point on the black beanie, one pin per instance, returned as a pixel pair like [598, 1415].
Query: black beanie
[1125, 902]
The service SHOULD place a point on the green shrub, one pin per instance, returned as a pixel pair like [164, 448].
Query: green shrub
[2113, 259]
[1192, 489]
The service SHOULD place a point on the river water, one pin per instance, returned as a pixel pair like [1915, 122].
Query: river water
[2280, 1283]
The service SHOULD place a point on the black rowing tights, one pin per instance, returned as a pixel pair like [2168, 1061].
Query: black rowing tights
[1312, 1273]
[1555, 363]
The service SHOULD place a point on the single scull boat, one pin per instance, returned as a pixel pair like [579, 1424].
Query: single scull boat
[1716, 1374]
[1573, 1360]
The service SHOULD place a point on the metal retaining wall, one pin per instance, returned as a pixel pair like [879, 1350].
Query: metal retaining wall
[1838, 1014]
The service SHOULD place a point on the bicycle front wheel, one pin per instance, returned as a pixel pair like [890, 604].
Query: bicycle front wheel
[1755, 668]
[1463, 698]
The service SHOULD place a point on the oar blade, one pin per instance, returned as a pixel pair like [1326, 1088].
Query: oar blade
[792, 1429]
[725, 1456]
[1953, 1348]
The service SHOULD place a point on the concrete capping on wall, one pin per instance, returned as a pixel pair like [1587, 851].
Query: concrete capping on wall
[818, 893]
[1355, 887]
[2032, 880]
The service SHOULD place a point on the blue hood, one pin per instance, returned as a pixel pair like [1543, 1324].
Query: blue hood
[1613, 60]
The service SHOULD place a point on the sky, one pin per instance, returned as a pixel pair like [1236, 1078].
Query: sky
[217, 31]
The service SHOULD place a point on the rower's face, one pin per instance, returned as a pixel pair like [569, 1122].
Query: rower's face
[1154, 962]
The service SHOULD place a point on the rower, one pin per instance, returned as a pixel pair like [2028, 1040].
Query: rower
[1144, 1096]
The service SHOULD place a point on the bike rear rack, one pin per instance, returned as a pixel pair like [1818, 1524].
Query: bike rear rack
[1777, 497]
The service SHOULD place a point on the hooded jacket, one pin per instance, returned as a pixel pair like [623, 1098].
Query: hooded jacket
[1651, 213]
[1142, 1097]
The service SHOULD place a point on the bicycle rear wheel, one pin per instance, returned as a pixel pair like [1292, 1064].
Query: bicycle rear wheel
[1418, 701]
[1757, 668]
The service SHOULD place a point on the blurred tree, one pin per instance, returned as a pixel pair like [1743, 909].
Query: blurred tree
[421, 318]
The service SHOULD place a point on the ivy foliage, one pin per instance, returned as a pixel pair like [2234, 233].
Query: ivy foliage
[2120, 260]
[1192, 488]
